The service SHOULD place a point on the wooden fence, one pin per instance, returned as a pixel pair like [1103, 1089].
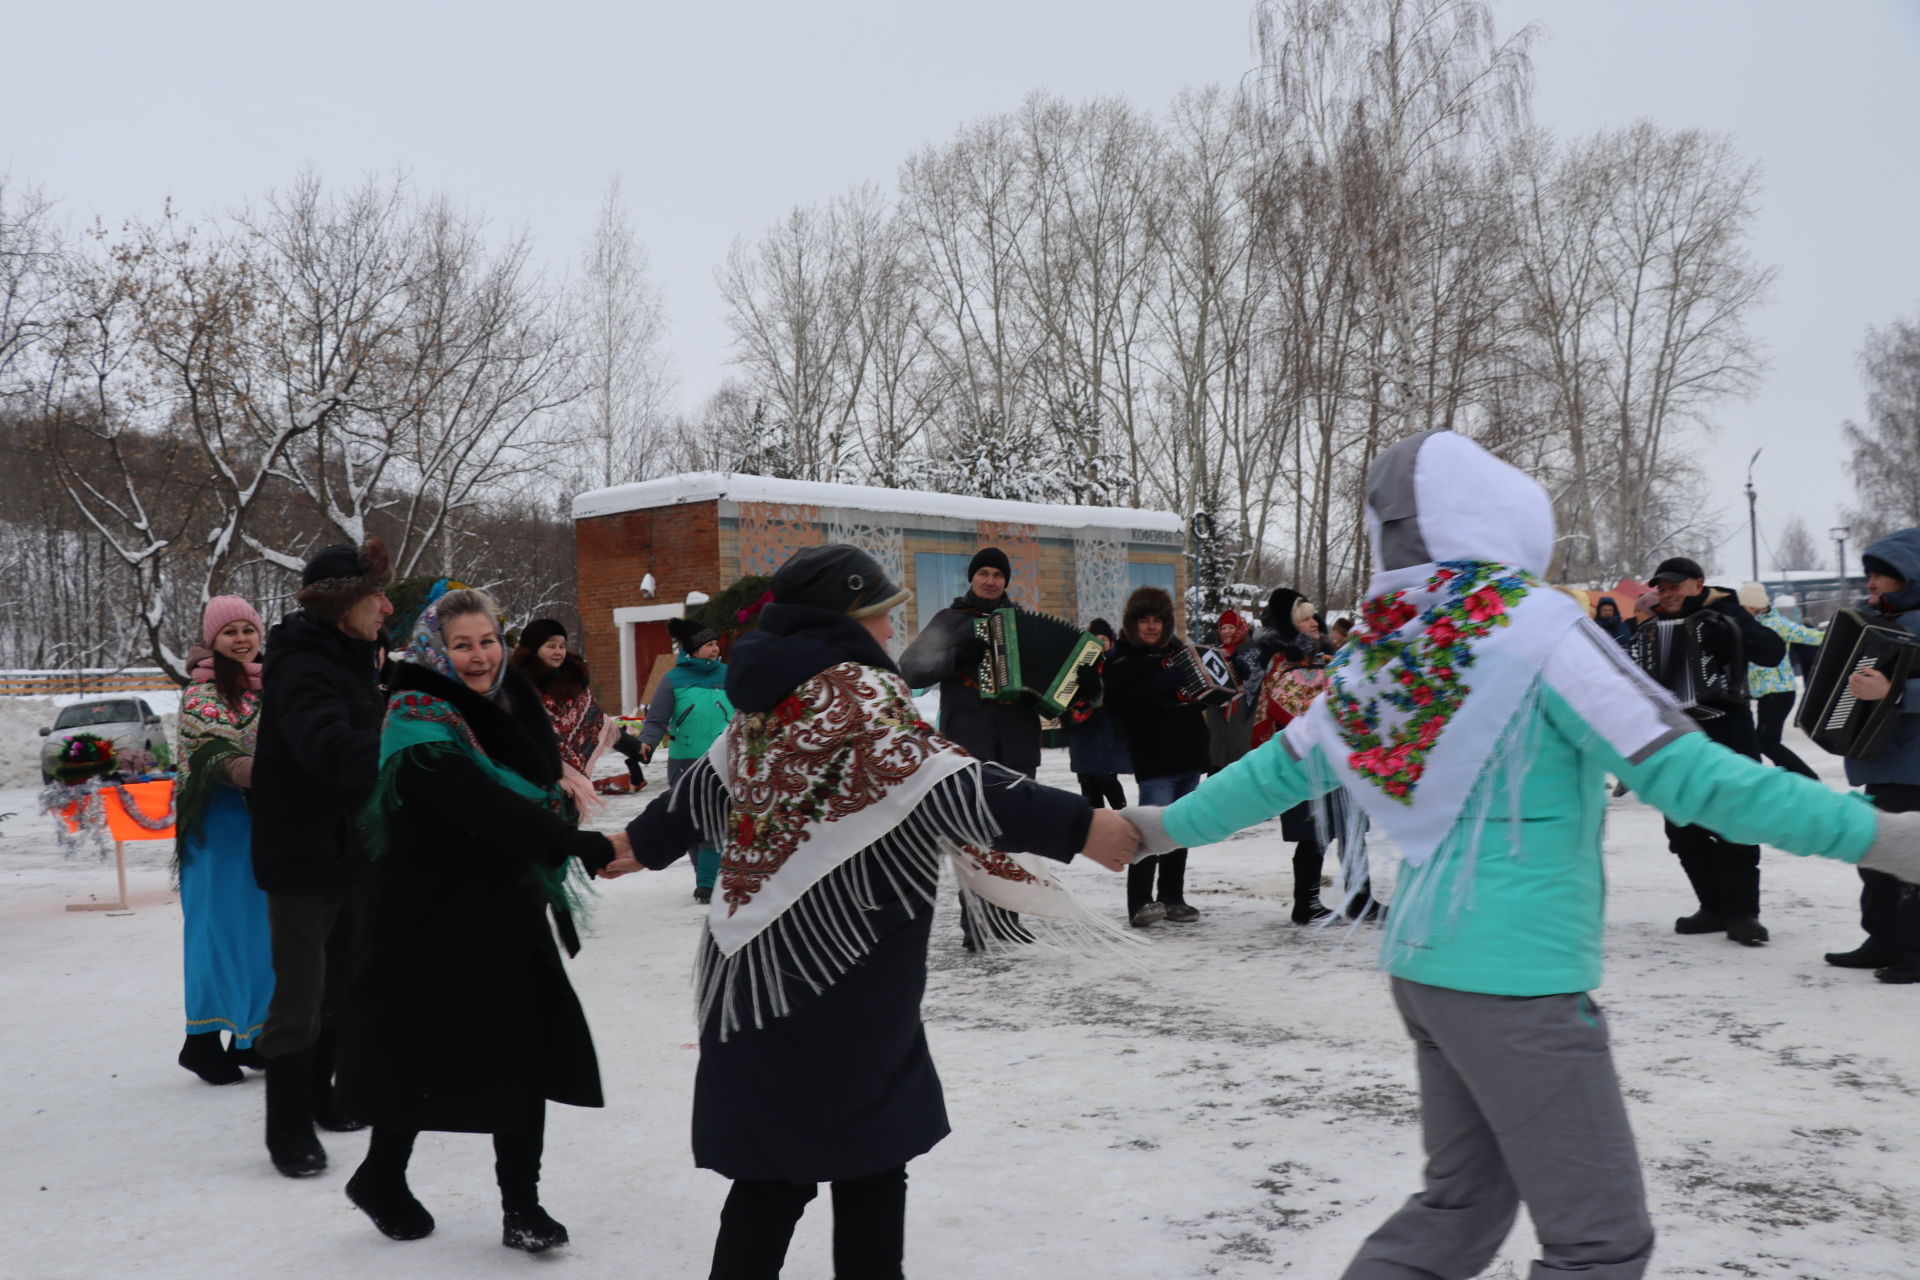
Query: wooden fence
[46, 684]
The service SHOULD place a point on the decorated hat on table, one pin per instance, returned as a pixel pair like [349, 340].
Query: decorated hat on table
[84, 756]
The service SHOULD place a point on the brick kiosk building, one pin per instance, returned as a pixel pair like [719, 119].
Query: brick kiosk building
[703, 531]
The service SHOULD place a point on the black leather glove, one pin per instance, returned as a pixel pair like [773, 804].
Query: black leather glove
[967, 658]
[1088, 680]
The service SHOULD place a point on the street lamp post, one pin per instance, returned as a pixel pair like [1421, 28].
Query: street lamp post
[1753, 525]
[1839, 535]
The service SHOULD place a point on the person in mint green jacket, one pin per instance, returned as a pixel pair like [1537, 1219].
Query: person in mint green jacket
[1474, 717]
[689, 710]
[1772, 688]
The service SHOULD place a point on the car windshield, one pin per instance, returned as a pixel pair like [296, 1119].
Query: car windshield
[84, 714]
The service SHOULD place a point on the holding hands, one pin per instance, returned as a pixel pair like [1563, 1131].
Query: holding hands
[624, 863]
[1111, 840]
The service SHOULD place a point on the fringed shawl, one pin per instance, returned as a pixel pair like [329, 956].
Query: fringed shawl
[211, 732]
[839, 789]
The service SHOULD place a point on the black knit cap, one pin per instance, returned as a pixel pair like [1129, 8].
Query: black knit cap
[990, 558]
[838, 577]
[690, 635]
[541, 630]
[1100, 627]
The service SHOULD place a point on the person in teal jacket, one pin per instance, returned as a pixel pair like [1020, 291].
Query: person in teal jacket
[1474, 717]
[1772, 688]
[689, 710]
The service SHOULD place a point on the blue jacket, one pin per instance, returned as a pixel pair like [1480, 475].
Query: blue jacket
[1899, 760]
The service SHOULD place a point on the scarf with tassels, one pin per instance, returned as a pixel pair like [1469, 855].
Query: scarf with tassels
[1421, 697]
[839, 788]
[419, 727]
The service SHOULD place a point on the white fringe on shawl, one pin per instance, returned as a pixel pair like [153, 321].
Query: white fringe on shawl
[827, 928]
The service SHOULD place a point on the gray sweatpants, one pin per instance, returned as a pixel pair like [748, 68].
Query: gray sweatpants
[1518, 1103]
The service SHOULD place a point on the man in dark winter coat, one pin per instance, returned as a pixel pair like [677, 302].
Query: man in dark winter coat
[1166, 736]
[1725, 875]
[313, 772]
[1890, 908]
[948, 653]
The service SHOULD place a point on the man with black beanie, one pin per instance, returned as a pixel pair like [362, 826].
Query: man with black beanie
[1718, 636]
[948, 653]
[321, 707]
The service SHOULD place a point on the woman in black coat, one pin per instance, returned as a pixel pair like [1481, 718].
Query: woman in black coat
[814, 1065]
[1166, 735]
[461, 1018]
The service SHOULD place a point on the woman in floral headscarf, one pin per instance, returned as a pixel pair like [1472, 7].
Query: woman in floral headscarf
[461, 1018]
[227, 951]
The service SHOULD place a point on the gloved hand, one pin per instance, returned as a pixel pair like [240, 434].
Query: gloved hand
[237, 771]
[1089, 681]
[969, 655]
[1150, 821]
[1168, 680]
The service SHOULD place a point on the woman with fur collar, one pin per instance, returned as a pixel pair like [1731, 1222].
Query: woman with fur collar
[461, 1018]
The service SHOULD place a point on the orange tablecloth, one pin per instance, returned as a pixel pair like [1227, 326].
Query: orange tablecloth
[155, 799]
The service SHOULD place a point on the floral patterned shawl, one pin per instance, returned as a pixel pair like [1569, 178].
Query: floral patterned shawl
[211, 733]
[841, 786]
[1426, 695]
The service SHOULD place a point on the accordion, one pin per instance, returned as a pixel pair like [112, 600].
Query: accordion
[1206, 675]
[1033, 658]
[1701, 660]
[1830, 714]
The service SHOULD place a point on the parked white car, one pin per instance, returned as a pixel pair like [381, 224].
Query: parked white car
[129, 722]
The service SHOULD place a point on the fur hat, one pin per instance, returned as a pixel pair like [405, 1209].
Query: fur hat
[1754, 596]
[541, 630]
[222, 610]
[990, 558]
[1147, 602]
[690, 635]
[341, 576]
[839, 577]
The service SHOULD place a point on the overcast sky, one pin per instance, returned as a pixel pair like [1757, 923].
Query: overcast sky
[719, 117]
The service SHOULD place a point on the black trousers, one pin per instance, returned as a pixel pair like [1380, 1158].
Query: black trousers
[1169, 870]
[1890, 908]
[317, 942]
[1725, 876]
[1103, 790]
[1770, 712]
[869, 1227]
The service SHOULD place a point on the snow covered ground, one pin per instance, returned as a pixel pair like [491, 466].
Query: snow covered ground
[1242, 1108]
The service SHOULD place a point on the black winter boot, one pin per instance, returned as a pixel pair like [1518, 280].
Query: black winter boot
[204, 1055]
[1701, 921]
[247, 1057]
[1905, 969]
[378, 1188]
[295, 1149]
[1871, 954]
[516, 1166]
[325, 1114]
[1308, 858]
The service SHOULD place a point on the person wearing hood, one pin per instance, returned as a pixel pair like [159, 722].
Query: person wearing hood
[565, 687]
[1293, 657]
[461, 1018]
[227, 948]
[1474, 716]
[1772, 688]
[1606, 616]
[1724, 873]
[1166, 737]
[1230, 727]
[689, 710]
[1890, 910]
[316, 757]
[835, 806]
[947, 653]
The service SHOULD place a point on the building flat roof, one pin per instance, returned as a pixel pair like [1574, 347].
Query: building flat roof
[705, 486]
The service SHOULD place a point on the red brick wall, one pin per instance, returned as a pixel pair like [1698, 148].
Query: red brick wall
[678, 545]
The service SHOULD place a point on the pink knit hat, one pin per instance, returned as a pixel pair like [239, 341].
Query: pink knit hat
[224, 609]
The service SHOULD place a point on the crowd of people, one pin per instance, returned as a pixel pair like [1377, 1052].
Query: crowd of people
[381, 846]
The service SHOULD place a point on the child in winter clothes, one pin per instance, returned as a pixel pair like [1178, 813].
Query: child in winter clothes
[1890, 910]
[1166, 738]
[690, 709]
[1772, 688]
[1474, 716]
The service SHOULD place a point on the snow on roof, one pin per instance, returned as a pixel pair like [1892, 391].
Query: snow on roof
[704, 486]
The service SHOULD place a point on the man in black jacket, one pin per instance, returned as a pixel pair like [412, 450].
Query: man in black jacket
[1720, 638]
[313, 772]
[948, 653]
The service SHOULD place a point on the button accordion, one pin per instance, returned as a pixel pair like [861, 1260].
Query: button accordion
[1830, 714]
[1699, 659]
[1206, 674]
[1033, 658]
